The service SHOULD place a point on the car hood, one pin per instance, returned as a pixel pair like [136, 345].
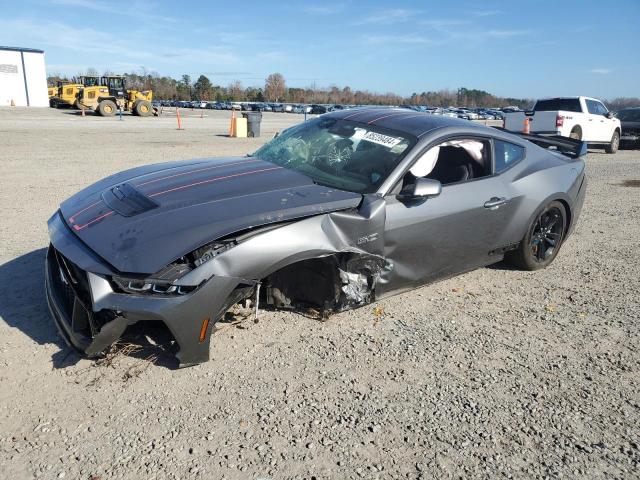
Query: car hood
[142, 219]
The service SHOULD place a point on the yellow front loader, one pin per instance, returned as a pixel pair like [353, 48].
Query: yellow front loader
[111, 95]
[67, 95]
[68, 92]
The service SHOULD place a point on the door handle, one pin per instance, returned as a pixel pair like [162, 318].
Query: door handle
[495, 202]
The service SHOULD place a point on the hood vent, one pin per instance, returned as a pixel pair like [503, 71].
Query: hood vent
[127, 200]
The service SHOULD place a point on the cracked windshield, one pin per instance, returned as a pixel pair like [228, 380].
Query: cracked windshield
[337, 153]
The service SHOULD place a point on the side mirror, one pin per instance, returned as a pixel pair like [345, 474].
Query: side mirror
[423, 188]
[609, 115]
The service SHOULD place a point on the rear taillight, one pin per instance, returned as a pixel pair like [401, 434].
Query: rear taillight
[559, 120]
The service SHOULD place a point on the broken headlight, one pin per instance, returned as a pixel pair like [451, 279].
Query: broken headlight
[209, 251]
[162, 282]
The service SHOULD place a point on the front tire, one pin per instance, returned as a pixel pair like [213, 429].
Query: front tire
[544, 237]
[615, 143]
[142, 108]
[107, 108]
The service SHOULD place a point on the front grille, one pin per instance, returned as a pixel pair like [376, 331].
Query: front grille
[71, 287]
[65, 293]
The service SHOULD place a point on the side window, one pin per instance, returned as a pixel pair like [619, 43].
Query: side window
[506, 154]
[454, 161]
[592, 107]
[602, 110]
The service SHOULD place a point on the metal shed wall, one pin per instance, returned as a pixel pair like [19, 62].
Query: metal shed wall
[23, 77]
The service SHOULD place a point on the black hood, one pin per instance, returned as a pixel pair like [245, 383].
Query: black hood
[142, 219]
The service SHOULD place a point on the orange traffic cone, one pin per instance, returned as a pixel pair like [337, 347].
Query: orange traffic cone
[232, 127]
[178, 118]
[527, 126]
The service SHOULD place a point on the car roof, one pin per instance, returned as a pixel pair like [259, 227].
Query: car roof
[401, 119]
[572, 97]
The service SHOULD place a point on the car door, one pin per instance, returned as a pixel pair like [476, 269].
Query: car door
[603, 124]
[598, 124]
[456, 231]
[589, 129]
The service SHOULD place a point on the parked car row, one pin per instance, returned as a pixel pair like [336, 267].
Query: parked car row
[319, 109]
[463, 112]
[247, 106]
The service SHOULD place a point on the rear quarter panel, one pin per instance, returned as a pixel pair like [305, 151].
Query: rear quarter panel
[539, 179]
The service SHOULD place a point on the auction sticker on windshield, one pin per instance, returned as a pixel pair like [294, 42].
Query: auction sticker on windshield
[380, 139]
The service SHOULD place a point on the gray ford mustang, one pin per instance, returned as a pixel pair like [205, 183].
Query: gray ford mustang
[334, 213]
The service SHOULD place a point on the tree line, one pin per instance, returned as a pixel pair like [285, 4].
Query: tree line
[275, 89]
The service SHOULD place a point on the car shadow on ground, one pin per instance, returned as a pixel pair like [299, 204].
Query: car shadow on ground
[503, 265]
[23, 306]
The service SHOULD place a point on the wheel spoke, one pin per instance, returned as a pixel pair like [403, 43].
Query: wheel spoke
[551, 223]
[537, 248]
[541, 221]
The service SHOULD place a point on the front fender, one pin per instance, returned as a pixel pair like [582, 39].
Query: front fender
[359, 231]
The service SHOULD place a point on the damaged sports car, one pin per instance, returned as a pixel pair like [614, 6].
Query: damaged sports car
[332, 214]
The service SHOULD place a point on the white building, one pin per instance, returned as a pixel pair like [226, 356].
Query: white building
[23, 77]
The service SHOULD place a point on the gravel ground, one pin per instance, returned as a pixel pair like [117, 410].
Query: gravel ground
[496, 373]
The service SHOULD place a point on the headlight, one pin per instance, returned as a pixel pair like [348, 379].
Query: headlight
[162, 282]
[150, 286]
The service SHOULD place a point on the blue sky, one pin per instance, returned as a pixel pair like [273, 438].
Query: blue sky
[510, 48]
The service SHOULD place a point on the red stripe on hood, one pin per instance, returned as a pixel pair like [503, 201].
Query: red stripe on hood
[214, 179]
[77, 228]
[196, 170]
[72, 218]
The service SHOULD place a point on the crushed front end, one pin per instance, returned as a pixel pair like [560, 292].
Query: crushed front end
[92, 311]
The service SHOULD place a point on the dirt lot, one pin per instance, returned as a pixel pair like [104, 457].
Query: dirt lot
[497, 373]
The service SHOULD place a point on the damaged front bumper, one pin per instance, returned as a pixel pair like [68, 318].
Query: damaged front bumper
[91, 316]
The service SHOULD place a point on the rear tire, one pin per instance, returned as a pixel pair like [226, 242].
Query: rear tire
[107, 108]
[576, 133]
[615, 143]
[543, 240]
[142, 108]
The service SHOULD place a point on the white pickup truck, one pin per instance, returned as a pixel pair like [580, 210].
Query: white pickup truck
[582, 118]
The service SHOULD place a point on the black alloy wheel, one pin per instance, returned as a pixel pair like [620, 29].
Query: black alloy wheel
[547, 235]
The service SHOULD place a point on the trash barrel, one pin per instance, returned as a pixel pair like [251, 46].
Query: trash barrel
[253, 123]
